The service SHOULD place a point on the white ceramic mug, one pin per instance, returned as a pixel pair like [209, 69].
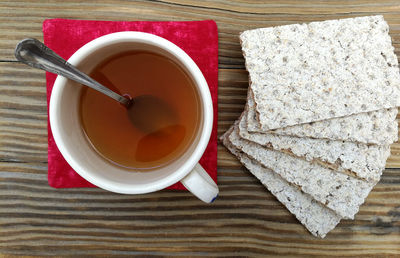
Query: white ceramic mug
[81, 156]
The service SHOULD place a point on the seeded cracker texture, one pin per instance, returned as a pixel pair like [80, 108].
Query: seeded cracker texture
[375, 127]
[339, 192]
[303, 73]
[365, 161]
[318, 219]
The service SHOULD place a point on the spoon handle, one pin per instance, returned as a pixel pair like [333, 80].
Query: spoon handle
[34, 53]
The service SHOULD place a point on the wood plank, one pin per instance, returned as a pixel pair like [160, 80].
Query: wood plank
[245, 219]
[232, 17]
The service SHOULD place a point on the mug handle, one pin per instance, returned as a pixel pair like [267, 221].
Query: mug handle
[199, 183]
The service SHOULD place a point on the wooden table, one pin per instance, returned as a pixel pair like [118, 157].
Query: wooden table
[246, 220]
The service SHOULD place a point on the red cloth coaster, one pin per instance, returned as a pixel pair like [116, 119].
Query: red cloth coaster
[199, 39]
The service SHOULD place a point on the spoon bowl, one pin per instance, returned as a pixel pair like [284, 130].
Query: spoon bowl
[151, 114]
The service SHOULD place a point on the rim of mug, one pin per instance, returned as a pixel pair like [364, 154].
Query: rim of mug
[200, 81]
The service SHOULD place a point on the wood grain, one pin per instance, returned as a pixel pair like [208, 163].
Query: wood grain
[246, 220]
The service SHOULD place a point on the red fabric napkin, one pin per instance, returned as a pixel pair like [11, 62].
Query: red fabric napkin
[199, 39]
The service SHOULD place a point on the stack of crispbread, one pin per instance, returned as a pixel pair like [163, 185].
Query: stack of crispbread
[320, 115]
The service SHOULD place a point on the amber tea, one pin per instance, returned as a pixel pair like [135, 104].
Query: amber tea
[108, 127]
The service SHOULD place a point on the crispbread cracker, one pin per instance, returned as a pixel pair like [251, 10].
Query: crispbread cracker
[318, 219]
[339, 192]
[375, 127]
[303, 73]
[365, 161]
